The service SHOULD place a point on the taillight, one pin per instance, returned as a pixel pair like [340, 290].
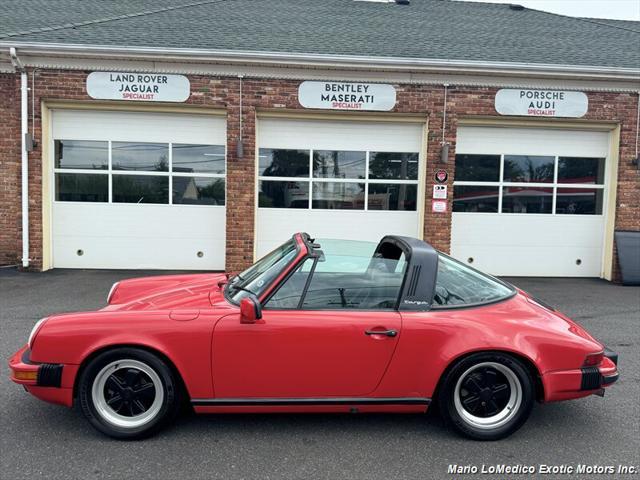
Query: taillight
[593, 359]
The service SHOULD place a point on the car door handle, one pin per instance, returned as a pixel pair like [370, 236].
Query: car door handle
[388, 333]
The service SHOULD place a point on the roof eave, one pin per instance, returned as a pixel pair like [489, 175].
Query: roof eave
[314, 60]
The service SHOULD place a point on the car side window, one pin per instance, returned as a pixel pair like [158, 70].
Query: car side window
[346, 276]
[334, 290]
[355, 283]
[288, 294]
[458, 284]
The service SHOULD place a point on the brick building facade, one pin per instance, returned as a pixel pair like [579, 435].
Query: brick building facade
[57, 80]
[272, 94]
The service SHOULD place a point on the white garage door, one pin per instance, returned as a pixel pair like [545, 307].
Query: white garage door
[337, 179]
[530, 202]
[138, 190]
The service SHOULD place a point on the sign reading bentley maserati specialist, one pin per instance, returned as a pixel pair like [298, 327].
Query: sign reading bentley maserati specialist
[347, 96]
[541, 103]
[147, 87]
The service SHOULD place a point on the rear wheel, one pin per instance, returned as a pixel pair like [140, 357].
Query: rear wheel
[128, 393]
[487, 396]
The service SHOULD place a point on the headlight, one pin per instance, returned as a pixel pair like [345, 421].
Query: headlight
[35, 329]
[112, 291]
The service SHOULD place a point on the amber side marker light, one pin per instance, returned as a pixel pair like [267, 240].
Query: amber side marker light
[28, 375]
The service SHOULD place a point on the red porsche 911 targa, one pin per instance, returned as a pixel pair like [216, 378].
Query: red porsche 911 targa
[316, 326]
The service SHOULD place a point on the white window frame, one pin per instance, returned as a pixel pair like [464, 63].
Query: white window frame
[111, 173]
[310, 179]
[555, 185]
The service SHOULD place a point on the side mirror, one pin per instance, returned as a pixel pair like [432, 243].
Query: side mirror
[250, 310]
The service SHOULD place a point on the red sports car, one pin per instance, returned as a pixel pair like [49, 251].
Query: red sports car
[327, 326]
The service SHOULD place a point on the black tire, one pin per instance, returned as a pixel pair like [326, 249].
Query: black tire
[156, 387]
[482, 414]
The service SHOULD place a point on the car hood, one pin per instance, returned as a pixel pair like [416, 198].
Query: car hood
[167, 292]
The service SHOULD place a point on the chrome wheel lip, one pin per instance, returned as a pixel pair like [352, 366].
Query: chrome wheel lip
[107, 413]
[504, 415]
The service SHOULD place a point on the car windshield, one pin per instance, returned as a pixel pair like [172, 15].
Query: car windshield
[259, 276]
[460, 285]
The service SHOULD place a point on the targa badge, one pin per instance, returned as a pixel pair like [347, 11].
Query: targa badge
[441, 176]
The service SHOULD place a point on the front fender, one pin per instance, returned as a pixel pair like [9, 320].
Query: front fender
[72, 339]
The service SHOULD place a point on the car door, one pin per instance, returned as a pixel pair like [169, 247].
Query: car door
[303, 353]
[337, 342]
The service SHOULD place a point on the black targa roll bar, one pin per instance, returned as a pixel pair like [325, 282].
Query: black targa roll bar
[419, 283]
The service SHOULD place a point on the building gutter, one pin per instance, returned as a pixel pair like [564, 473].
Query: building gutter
[24, 89]
[323, 61]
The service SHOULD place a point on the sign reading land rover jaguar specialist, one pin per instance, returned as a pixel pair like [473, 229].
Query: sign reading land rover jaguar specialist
[146, 87]
[541, 103]
[347, 96]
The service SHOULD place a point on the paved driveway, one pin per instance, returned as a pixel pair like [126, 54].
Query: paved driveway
[45, 441]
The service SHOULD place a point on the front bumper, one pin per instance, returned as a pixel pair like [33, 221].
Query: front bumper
[568, 384]
[51, 382]
[25, 372]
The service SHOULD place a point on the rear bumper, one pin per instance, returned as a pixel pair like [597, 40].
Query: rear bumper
[51, 382]
[581, 382]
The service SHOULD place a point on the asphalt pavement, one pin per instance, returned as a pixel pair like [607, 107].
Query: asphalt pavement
[39, 440]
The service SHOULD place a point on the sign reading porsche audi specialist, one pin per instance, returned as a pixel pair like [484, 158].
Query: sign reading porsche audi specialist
[541, 103]
[347, 96]
[146, 87]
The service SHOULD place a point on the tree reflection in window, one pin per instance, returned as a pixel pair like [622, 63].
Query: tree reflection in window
[140, 189]
[528, 168]
[581, 170]
[338, 164]
[283, 163]
[393, 166]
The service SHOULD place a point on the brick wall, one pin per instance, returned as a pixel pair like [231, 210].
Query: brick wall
[223, 92]
[10, 209]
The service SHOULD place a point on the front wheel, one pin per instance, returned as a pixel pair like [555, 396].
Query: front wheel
[487, 396]
[128, 393]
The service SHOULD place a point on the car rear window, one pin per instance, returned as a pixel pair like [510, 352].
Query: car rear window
[458, 285]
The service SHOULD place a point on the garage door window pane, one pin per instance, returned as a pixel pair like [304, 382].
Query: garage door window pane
[392, 196]
[527, 168]
[478, 168]
[526, 200]
[140, 189]
[276, 194]
[475, 198]
[198, 191]
[81, 154]
[393, 166]
[283, 163]
[81, 187]
[338, 196]
[581, 170]
[574, 201]
[335, 164]
[148, 157]
[197, 158]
